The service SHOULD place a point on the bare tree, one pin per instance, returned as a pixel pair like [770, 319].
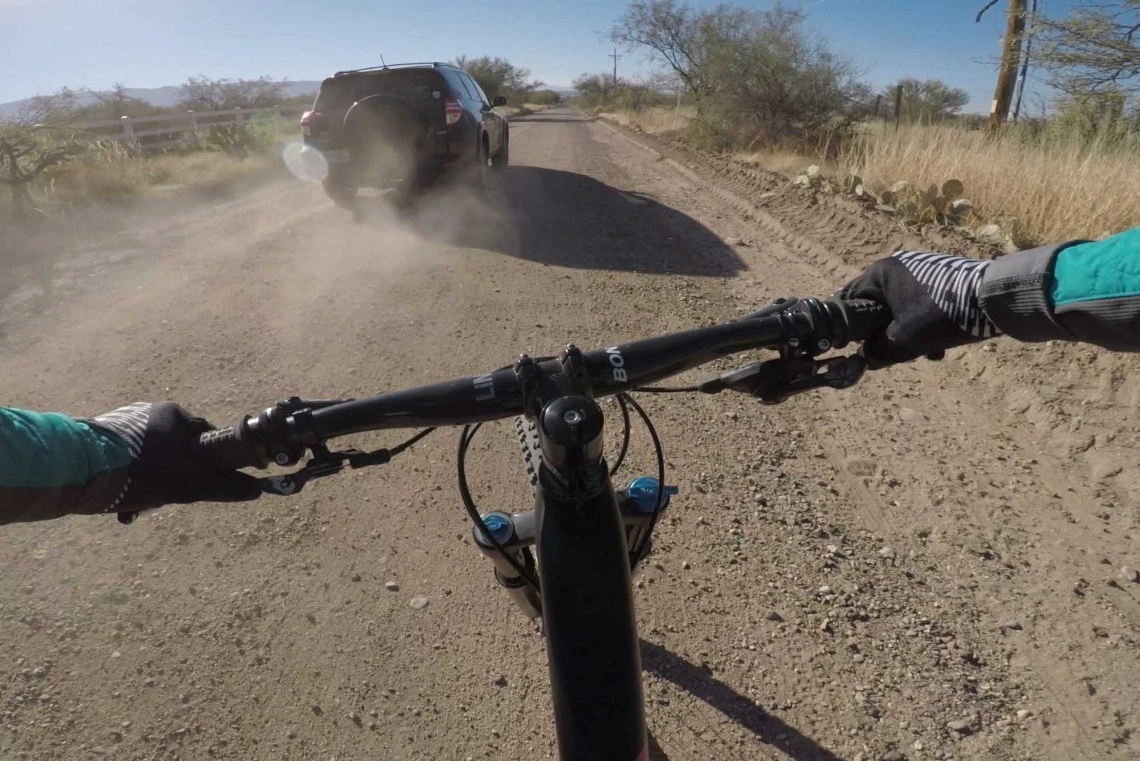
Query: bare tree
[23, 158]
[756, 75]
[1095, 47]
[36, 139]
[683, 39]
[44, 112]
[592, 85]
[205, 94]
[498, 76]
[115, 104]
[927, 101]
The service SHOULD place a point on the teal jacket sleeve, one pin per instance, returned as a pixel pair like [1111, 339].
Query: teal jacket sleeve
[1086, 291]
[52, 465]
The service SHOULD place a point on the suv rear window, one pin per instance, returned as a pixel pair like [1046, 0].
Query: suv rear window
[413, 84]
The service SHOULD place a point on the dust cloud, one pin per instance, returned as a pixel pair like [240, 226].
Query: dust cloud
[393, 231]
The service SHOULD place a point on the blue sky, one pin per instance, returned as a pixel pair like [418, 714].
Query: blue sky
[150, 43]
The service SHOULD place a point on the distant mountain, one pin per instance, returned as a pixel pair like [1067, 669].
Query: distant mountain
[163, 97]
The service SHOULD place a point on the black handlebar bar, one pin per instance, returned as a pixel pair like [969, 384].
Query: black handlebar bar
[809, 327]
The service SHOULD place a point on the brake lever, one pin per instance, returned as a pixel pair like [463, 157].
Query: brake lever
[323, 463]
[774, 380]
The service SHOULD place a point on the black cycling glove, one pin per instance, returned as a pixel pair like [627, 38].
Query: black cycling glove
[163, 469]
[933, 300]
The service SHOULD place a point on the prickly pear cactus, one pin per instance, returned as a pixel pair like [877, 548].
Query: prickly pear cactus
[940, 205]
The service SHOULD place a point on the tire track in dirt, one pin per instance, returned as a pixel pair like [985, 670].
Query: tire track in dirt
[1060, 668]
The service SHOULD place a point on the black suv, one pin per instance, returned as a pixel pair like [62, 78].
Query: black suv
[384, 124]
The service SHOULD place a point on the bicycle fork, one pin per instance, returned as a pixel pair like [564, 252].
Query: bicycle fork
[515, 533]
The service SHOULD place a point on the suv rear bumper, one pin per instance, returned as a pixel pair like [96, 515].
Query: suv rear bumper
[337, 162]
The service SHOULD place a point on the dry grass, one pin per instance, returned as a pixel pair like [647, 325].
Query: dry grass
[1039, 190]
[1048, 190]
[523, 110]
[788, 163]
[110, 174]
[652, 121]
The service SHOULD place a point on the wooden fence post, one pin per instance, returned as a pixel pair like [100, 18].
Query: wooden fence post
[237, 117]
[129, 133]
[898, 105]
[195, 138]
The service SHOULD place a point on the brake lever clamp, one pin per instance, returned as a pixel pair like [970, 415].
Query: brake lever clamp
[774, 380]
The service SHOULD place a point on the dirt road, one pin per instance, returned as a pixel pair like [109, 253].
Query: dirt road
[926, 566]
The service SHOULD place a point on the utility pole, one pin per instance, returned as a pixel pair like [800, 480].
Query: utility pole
[1010, 57]
[1025, 64]
[616, 58]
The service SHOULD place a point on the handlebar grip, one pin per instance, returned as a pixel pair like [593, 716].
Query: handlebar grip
[865, 318]
[227, 449]
[845, 321]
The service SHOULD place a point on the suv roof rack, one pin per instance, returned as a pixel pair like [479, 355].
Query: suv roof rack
[433, 64]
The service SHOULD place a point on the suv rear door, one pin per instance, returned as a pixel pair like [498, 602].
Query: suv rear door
[422, 88]
[492, 122]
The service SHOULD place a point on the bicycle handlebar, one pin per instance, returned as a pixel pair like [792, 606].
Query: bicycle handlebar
[811, 326]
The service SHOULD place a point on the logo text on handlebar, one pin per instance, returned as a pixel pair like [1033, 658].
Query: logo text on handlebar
[484, 388]
[617, 362]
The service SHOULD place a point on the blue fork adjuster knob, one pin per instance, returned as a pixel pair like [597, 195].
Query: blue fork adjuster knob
[642, 494]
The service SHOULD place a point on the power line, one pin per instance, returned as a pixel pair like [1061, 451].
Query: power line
[616, 58]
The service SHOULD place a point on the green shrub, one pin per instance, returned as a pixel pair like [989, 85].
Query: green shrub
[239, 140]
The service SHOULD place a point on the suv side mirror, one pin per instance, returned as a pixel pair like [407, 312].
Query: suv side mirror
[499, 101]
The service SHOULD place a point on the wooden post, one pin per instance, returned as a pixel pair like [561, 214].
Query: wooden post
[878, 105]
[1007, 73]
[195, 138]
[129, 133]
[237, 117]
[898, 105]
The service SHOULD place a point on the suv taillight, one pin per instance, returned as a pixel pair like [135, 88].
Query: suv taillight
[306, 120]
[452, 111]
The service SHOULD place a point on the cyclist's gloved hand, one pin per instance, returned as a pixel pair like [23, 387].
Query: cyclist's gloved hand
[933, 300]
[163, 469]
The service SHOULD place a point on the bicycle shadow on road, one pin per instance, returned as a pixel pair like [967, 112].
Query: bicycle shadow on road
[697, 682]
[564, 219]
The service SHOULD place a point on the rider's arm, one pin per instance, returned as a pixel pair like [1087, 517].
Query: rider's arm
[1081, 291]
[135, 458]
[52, 465]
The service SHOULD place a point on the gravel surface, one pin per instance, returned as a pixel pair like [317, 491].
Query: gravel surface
[939, 563]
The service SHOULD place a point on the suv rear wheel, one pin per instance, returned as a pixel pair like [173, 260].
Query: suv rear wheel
[340, 191]
[479, 171]
[502, 159]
